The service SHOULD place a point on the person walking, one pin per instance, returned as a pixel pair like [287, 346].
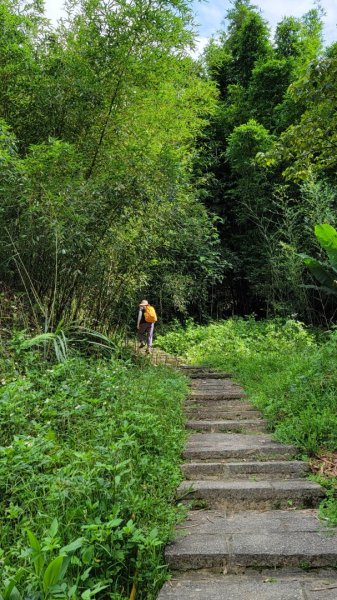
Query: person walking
[145, 324]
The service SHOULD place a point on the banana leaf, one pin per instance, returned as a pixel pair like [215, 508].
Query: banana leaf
[323, 273]
[327, 237]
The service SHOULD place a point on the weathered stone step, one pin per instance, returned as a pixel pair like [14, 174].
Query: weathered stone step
[203, 372]
[217, 404]
[217, 395]
[246, 494]
[289, 469]
[238, 426]
[200, 383]
[213, 446]
[218, 386]
[216, 540]
[212, 408]
[200, 413]
[208, 375]
[268, 585]
[214, 412]
[196, 368]
[215, 392]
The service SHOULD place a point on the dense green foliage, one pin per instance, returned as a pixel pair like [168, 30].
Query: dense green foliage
[89, 465]
[266, 161]
[134, 170]
[98, 119]
[128, 169]
[289, 373]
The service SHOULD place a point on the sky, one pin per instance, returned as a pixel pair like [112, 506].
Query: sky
[210, 14]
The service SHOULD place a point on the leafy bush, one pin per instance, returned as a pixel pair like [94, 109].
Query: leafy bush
[90, 463]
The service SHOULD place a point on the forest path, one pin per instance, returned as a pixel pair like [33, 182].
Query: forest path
[253, 531]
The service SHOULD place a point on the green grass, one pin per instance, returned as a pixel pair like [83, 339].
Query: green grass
[89, 453]
[289, 372]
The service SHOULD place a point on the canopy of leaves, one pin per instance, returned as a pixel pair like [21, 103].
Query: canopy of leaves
[117, 150]
[98, 124]
[273, 129]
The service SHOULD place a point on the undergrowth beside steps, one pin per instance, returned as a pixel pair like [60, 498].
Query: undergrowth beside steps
[89, 453]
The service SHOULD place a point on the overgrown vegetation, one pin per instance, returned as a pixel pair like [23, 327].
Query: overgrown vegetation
[128, 169]
[98, 119]
[89, 454]
[289, 372]
[266, 162]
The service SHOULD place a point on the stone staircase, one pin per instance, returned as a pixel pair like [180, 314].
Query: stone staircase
[252, 531]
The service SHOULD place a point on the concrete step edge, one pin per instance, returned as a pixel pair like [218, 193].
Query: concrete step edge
[270, 584]
[274, 485]
[218, 423]
[275, 469]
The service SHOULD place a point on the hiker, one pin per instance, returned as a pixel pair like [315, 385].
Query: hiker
[145, 324]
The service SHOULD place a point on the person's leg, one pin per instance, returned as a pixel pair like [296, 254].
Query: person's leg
[150, 336]
[142, 333]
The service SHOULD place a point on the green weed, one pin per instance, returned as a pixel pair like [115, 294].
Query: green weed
[89, 453]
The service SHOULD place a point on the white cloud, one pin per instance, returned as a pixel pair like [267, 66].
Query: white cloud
[54, 10]
[210, 14]
[275, 11]
[200, 44]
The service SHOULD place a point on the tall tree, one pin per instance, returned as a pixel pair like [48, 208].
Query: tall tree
[257, 83]
[105, 136]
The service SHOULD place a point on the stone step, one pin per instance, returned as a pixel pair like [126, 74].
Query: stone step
[211, 407]
[289, 469]
[211, 397]
[243, 494]
[200, 369]
[217, 392]
[217, 404]
[200, 383]
[199, 413]
[209, 375]
[238, 426]
[234, 542]
[268, 585]
[214, 446]
[203, 372]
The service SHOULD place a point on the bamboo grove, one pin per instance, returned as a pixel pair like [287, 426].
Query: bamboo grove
[130, 168]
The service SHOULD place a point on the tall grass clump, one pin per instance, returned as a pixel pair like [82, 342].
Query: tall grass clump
[289, 372]
[89, 452]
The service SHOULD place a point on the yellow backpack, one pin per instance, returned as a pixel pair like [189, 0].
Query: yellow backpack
[150, 314]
